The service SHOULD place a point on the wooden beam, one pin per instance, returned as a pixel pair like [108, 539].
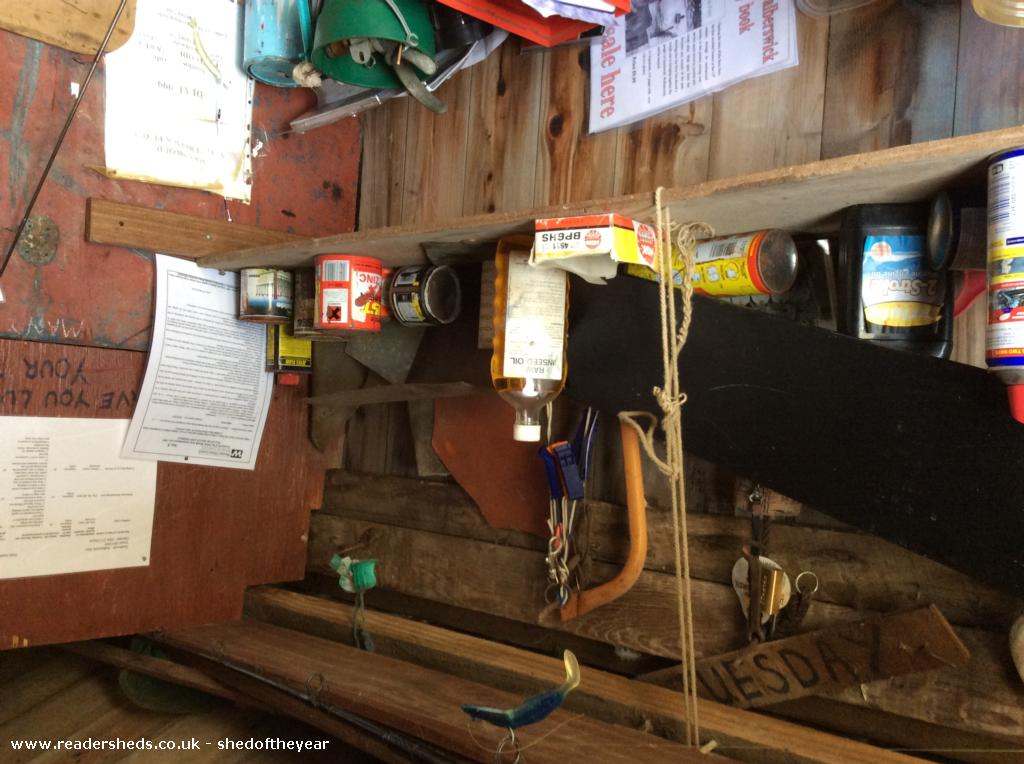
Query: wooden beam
[856, 570]
[911, 736]
[423, 703]
[804, 197]
[740, 734]
[170, 233]
[282, 702]
[239, 690]
[158, 668]
[527, 636]
[367, 396]
[983, 697]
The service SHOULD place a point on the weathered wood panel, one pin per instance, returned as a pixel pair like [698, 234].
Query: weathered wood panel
[891, 76]
[990, 75]
[670, 149]
[505, 111]
[382, 172]
[436, 156]
[982, 697]
[572, 166]
[775, 120]
[856, 570]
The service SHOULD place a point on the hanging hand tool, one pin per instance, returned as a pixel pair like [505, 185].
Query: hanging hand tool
[585, 601]
[566, 467]
[793, 614]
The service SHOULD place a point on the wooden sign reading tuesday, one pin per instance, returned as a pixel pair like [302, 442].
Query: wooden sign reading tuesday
[851, 653]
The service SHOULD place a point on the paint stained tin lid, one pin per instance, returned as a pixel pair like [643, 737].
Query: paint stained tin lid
[1007, 154]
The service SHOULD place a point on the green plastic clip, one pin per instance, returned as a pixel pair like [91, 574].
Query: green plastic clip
[354, 576]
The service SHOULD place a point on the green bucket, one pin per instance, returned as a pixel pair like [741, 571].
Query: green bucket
[341, 20]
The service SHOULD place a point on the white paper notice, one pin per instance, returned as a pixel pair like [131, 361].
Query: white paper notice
[205, 395]
[68, 502]
[667, 52]
[178, 105]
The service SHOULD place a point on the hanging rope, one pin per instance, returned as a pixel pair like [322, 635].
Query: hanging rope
[670, 400]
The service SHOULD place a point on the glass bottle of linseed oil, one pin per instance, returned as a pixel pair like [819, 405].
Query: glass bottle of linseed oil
[530, 324]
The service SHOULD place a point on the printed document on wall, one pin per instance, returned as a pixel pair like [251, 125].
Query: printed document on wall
[68, 502]
[205, 395]
[178, 104]
[665, 53]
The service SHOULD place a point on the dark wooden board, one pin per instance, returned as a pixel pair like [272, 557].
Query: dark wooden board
[214, 530]
[921, 451]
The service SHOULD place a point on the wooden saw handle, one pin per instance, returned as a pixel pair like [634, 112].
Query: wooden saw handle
[636, 503]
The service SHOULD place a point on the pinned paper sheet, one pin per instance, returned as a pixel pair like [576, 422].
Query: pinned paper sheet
[68, 502]
[179, 107]
[205, 396]
[669, 52]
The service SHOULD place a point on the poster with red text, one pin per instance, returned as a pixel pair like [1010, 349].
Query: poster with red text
[668, 52]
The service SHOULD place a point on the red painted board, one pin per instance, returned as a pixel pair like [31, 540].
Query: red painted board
[473, 437]
[99, 295]
[215, 530]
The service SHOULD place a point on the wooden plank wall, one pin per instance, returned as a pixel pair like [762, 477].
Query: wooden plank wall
[894, 72]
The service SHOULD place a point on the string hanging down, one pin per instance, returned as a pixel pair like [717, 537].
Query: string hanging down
[670, 400]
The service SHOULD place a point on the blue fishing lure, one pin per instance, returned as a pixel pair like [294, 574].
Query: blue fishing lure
[535, 708]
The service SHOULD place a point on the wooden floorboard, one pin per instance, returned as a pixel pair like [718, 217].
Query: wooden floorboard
[58, 696]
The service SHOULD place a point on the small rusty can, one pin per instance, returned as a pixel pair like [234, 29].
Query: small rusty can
[425, 295]
[348, 293]
[265, 295]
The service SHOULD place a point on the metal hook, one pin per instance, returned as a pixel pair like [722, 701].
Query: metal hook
[510, 739]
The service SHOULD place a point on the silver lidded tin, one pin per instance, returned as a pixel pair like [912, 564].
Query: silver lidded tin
[425, 295]
[265, 295]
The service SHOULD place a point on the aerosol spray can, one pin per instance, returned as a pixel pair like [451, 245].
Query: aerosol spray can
[1004, 340]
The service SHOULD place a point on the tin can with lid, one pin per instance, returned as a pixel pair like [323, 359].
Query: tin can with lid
[425, 295]
[348, 293]
[760, 262]
[265, 295]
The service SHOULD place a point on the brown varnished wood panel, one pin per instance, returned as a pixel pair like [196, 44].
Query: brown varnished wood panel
[214, 530]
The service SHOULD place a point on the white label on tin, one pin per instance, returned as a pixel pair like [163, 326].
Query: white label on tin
[334, 306]
[334, 270]
[1005, 205]
[534, 320]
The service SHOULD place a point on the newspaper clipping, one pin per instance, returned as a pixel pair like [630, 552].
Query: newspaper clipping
[668, 52]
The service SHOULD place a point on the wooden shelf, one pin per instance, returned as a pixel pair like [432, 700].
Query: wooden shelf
[799, 198]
